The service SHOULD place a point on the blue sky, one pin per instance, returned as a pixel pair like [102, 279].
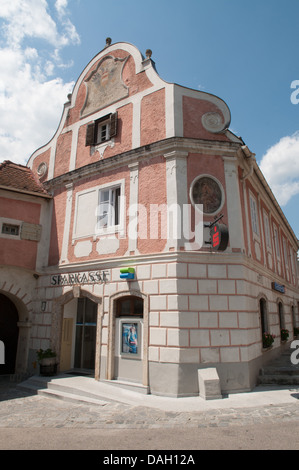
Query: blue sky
[245, 52]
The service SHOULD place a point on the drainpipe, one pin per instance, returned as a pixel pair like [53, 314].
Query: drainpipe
[248, 156]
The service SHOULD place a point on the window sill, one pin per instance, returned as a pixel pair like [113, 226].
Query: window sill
[101, 234]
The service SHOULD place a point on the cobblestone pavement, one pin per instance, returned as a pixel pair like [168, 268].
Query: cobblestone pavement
[19, 409]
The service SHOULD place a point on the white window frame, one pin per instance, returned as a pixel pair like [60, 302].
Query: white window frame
[267, 230]
[285, 252]
[111, 226]
[276, 241]
[254, 215]
[292, 258]
[99, 231]
[102, 132]
[6, 221]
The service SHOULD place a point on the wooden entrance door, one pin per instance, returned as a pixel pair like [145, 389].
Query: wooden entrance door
[86, 330]
[66, 344]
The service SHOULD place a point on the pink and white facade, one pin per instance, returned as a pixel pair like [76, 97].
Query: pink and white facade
[24, 228]
[130, 154]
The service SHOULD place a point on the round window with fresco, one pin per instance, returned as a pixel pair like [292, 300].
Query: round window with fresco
[207, 191]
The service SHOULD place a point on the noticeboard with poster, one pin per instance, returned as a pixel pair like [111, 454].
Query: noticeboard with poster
[130, 344]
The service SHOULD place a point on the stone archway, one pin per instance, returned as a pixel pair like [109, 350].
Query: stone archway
[16, 316]
[9, 334]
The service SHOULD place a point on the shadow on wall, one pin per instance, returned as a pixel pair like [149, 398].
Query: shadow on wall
[58, 220]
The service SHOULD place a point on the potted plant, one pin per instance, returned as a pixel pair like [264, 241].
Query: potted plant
[268, 340]
[284, 334]
[47, 362]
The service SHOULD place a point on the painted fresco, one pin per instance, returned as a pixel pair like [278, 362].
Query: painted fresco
[105, 85]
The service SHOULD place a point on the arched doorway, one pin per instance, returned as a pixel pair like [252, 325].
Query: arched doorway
[263, 315]
[129, 339]
[86, 332]
[126, 310]
[79, 335]
[9, 333]
[281, 315]
[293, 316]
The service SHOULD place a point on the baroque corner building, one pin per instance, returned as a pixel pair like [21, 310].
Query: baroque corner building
[108, 193]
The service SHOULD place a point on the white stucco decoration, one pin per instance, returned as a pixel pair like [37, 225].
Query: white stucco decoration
[107, 245]
[83, 248]
[42, 169]
[213, 122]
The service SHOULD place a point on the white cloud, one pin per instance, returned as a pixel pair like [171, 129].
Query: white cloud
[280, 166]
[28, 18]
[31, 103]
[61, 6]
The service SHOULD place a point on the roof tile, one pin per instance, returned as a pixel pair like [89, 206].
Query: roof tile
[19, 177]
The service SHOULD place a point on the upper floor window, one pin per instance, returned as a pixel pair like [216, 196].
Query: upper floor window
[109, 208]
[267, 230]
[285, 253]
[293, 261]
[254, 215]
[99, 210]
[101, 130]
[276, 242]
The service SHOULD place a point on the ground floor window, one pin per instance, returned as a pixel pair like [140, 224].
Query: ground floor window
[129, 305]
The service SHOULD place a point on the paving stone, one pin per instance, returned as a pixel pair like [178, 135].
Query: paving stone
[19, 409]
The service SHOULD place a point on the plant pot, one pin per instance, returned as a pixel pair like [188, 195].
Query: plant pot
[48, 366]
[47, 361]
[267, 348]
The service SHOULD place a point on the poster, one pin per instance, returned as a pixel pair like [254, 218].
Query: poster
[129, 338]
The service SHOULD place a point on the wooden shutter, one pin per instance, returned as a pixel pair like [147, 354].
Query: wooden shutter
[90, 130]
[113, 125]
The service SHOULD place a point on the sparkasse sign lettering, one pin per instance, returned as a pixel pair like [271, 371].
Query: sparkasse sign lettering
[87, 277]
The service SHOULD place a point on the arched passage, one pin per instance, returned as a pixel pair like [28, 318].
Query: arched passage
[9, 334]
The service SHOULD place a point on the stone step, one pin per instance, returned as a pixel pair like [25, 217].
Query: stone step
[83, 389]
[278, 379]
[71, 397]
[280, 371]
[283, 370]
[41, 386]
[131, 386]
